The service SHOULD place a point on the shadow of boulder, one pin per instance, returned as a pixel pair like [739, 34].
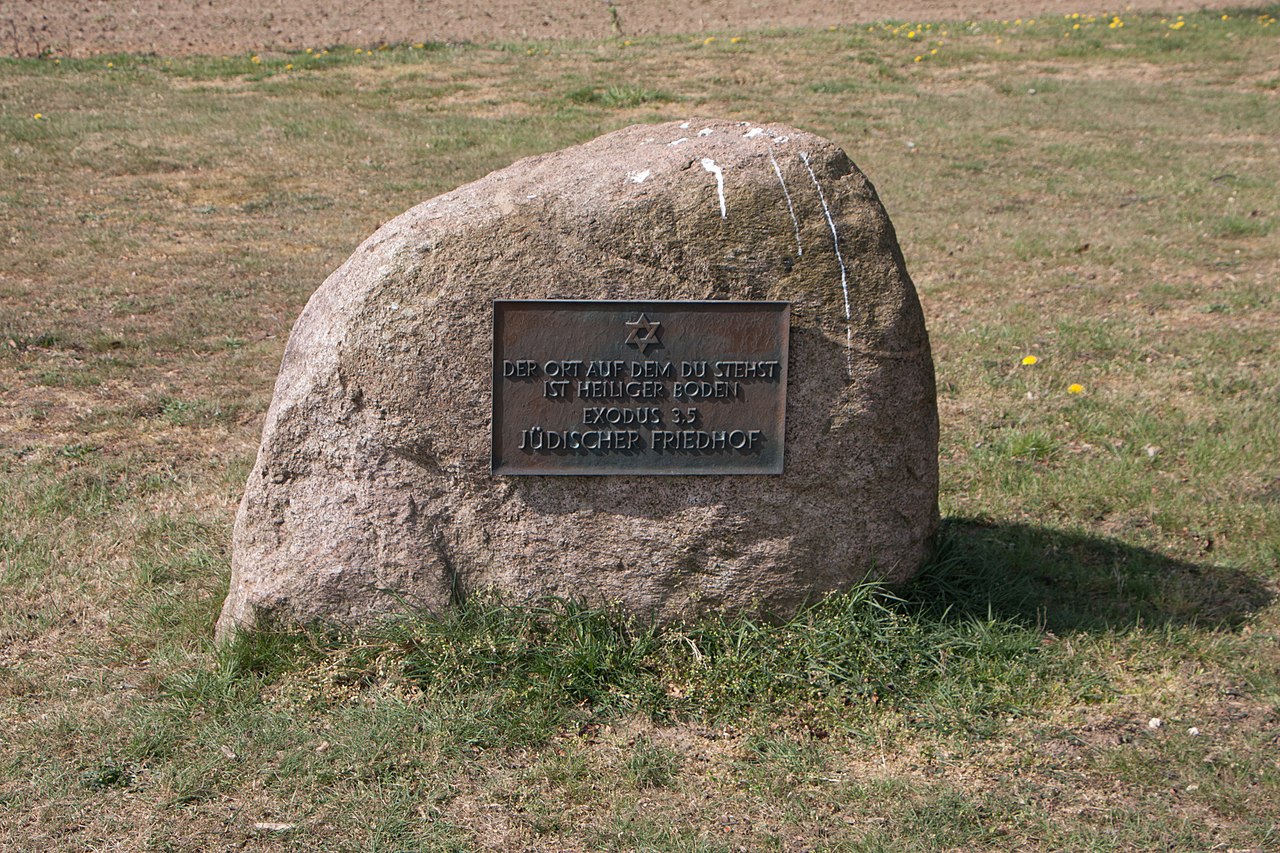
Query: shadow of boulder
[1065, 581]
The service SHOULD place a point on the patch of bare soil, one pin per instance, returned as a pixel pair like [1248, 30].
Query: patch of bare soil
[175, 27]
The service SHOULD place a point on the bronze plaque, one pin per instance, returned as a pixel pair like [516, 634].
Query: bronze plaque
[599, 387]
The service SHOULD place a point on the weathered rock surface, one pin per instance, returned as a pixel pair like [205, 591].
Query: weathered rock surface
[372, 489]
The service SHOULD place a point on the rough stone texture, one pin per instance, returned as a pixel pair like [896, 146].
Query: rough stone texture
[372, 488]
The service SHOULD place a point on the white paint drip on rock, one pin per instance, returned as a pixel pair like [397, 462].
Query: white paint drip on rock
[639, 177]
[681, 141]
[795, 223]
[710, 166]
[844, 274]
[764, 131]
[706, 131]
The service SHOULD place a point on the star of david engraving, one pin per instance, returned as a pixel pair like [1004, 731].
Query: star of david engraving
[644, 333]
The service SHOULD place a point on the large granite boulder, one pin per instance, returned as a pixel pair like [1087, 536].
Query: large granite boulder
[372, 490]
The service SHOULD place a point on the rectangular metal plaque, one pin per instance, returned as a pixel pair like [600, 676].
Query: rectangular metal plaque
[600, 387]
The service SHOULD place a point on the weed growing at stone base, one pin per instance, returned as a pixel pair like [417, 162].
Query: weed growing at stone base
[560, 665]
[1104, 201]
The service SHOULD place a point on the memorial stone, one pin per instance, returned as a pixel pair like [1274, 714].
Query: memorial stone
[679, 368]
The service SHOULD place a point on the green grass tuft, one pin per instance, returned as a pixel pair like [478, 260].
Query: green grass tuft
[619, 97]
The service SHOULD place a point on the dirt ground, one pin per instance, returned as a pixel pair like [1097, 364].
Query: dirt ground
[172, 27]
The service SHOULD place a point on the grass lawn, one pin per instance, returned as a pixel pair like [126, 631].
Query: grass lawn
[1090, 208]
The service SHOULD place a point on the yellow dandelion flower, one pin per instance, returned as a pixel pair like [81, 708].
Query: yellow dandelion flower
[111, 65]
[288, 66]
[933, 52]
[38, 116]
[255, 59]
[1030, 359]
[919, 59]
[1075, 388]
[735, 39]
[1226, 17]
[309, 51]
[708, 39]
